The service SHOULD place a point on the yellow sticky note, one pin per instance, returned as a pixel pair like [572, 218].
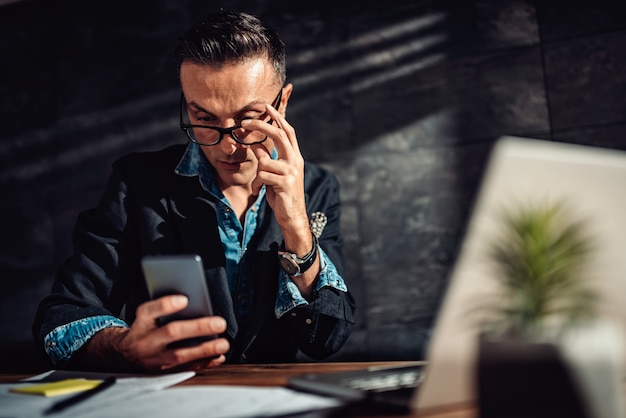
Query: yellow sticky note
[62, 387]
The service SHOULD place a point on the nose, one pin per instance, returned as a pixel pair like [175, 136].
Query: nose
[228, 145]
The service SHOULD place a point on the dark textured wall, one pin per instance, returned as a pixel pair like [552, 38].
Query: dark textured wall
[402, 100]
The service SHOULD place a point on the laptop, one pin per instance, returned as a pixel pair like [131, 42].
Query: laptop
[591, 180]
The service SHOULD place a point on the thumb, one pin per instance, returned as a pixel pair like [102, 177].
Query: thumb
[260, 151]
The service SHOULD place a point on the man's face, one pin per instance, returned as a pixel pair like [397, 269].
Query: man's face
[224, 98]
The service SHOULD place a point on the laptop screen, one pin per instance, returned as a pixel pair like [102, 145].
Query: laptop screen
[592, 181]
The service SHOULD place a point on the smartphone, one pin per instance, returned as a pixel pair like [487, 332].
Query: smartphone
[179, 275]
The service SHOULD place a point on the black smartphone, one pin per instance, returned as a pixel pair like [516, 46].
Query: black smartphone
[179, 275]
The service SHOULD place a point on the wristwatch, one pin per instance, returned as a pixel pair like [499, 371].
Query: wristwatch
[294, 265]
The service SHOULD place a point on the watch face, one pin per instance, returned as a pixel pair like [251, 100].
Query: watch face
[289, 266]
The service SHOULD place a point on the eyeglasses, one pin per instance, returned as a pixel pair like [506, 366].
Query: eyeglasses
[212, 135]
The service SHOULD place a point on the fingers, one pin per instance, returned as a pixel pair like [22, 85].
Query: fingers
[159, 351]
[149, 312]
[165, 305]
[208, 354]
[284, 176]
[149, 345]
[290, 161]
[261, 154]
[284, 139]
[191, 328]
[280, 176]
[283, 125]
[200, 365]
[281, 132]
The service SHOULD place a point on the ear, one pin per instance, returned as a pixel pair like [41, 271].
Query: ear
[287, 90]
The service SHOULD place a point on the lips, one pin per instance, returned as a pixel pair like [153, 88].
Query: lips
[232, 165]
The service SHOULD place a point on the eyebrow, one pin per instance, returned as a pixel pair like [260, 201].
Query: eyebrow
[244, 109]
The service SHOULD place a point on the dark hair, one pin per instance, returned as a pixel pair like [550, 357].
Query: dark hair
[226, 37]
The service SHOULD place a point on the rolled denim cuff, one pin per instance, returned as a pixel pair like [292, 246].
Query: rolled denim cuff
[289, 295]
[62, 342]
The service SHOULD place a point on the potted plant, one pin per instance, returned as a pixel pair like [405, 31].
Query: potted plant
[538, 350]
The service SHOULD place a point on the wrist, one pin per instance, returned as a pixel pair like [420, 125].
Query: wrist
[298, 240]
[104, 351]
[295, 264]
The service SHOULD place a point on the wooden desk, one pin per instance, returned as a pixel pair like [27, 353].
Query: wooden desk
[278, 375]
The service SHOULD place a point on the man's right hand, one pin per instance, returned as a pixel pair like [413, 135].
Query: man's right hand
[144, 345]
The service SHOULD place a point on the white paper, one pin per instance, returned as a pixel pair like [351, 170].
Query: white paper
[217, 402]
[146, 397]
[125, 389]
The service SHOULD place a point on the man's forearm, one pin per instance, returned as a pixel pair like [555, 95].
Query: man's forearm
[102, 352]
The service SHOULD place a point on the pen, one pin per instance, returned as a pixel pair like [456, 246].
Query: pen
[59, 406]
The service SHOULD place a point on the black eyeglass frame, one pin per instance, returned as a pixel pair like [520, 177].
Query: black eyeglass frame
[188, 128]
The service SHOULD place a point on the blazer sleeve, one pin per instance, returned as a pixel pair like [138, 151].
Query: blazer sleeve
[325, 323]
[87, 284]
[103, 276]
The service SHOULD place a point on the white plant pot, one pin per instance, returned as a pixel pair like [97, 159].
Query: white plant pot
[595, 356]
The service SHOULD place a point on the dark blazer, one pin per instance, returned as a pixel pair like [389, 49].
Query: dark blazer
[147, 209]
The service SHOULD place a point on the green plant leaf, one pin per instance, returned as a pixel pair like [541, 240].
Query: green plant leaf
[540, 257]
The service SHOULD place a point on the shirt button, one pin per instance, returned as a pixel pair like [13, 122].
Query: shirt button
[308, 321]
[293, 314]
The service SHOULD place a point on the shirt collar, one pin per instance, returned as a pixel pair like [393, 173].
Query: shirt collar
[189, 164]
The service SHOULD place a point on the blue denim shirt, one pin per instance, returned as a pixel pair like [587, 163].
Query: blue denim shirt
[63, 341]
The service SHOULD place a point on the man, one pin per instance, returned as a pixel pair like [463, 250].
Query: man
[240, 195]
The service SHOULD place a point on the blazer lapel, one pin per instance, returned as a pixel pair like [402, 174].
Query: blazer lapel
[264, 272]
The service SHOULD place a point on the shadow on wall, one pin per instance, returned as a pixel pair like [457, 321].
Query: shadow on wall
[364, 102]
